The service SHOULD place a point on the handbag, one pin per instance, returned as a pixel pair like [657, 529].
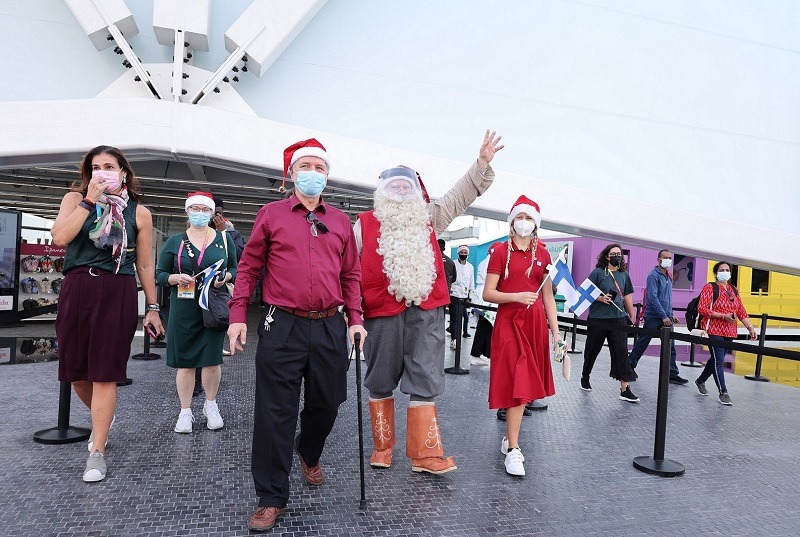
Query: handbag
[562, 356]
[217, 316]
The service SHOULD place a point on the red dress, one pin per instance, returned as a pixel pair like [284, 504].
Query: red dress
[520, 371]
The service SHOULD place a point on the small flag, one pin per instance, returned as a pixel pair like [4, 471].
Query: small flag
[208, 279]
[587, 293]
[577, 298]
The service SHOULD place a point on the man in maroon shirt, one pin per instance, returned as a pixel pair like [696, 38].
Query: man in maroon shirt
[312, 268]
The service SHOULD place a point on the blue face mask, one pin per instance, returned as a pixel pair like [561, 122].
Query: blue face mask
[199, 219]
[310, 183]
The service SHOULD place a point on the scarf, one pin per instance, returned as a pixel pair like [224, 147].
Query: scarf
[109, 228]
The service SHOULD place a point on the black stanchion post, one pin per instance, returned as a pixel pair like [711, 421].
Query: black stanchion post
[761, 337]
[636, 320]
[691, 362]
[656, 464]
[146, 355]
[458, 327]
[63, 433]
[357, 343]
[574, 335]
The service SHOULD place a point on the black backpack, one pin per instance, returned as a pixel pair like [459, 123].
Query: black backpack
[693, 317]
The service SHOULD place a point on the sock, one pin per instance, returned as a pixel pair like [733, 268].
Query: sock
[186, 411]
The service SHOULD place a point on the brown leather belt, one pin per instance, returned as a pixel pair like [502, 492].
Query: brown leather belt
[324, 314]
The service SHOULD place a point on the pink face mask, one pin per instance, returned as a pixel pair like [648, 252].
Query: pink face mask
[113, 179]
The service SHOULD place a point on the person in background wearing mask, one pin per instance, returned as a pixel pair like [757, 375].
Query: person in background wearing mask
[109, 236]
[221, 223]
[312, 269]
[404, 293]
[449, 265]
[719, 320]
[190, 345]
[658, 313]
[520, 371]
[460, 293]
[614, 309]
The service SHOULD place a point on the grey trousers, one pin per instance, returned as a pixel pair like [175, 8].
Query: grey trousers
[406, 349]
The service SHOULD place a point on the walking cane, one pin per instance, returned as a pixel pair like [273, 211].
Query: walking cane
[357, 345]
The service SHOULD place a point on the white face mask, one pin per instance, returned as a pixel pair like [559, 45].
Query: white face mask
[666, 263]
[723, 275]
[524, 227]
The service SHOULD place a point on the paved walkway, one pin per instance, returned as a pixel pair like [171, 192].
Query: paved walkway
[742, 463]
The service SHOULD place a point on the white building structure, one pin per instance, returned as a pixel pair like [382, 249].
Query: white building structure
[662, 123]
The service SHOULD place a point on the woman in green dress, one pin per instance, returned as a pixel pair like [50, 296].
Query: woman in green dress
[189, 343]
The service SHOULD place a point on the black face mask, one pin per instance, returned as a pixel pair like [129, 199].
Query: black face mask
[615, 260]
[462, 257]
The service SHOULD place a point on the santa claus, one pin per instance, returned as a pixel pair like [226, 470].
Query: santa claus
[405, 291]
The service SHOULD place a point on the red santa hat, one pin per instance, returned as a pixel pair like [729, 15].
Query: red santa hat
[200, 198]
[304, 148]
[463, 248]
[527, 206]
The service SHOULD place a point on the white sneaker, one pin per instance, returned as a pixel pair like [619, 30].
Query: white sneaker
[91, 435]
[514, 461]
[504, 446]
[95, 468]
[478, 360]
[453, 344]
[184, 423]
[213, 417]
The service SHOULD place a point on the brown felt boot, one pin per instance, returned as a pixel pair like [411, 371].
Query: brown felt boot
[381, 413]
[423, 443]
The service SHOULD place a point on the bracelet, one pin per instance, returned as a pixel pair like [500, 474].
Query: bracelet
[153, 307]
[86, 204]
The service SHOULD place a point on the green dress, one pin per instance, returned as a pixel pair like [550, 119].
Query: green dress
[189, 343]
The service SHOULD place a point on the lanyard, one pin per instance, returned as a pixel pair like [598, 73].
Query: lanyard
[611, 273]
[202, 251]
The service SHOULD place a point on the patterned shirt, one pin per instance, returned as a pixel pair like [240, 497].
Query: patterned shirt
[727, 302]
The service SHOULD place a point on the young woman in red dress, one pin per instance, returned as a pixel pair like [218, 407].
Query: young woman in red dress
[520, 371]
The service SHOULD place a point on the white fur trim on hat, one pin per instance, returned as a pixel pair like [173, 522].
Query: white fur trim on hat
[311, 152]
[530, 210]
[463, 247]
[199, 199]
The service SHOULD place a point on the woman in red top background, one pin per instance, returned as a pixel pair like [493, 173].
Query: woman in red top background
[520, 371]
[719, 320]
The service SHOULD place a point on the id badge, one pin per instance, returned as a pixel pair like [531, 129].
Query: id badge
[186, 291]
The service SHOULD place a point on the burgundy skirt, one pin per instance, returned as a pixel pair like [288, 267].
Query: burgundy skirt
[97, 318]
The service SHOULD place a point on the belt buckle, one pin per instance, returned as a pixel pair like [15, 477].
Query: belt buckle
[92, 273]
[315, 315]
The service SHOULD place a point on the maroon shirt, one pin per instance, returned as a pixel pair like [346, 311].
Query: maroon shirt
[302, 271]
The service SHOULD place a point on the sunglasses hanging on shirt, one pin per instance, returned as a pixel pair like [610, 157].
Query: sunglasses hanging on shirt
[316, 224]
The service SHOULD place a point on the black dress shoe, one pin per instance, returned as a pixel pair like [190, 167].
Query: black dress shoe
[501, 413]
[536, 405]
[678, 380]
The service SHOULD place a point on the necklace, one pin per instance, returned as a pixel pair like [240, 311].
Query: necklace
[203, 249]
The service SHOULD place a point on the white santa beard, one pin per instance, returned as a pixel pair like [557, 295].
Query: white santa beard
[405, 245]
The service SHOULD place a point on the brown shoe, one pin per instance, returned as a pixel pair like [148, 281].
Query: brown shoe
[264, 518]
[434, 465]
[313, 474]
[381, 458]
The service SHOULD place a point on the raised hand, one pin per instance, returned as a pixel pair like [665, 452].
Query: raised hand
[491, 145]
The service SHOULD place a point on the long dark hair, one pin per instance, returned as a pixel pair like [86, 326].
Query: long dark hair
[602, 262]
[131, 182]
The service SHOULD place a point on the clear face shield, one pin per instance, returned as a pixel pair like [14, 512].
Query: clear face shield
[399, 184]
